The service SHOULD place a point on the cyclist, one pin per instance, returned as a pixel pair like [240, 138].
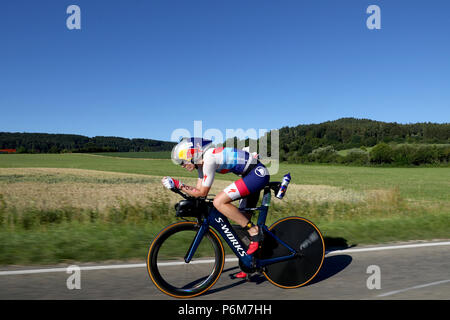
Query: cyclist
[196, 153]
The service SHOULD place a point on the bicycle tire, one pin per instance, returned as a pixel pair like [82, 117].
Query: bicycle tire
[176, 277]
[301, 235]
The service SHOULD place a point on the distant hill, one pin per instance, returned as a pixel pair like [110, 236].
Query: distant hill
[367, 142]
[347, 133]
[55, 143]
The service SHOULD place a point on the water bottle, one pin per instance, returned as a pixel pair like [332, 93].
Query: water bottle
[284, 185]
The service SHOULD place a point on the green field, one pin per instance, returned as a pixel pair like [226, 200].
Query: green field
[89, 162]
[137, 155]
[98, 207]
[414, 183]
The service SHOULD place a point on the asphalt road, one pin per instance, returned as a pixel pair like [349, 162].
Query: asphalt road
[406, 272]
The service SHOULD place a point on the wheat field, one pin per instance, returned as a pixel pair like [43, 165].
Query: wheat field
[52, 188]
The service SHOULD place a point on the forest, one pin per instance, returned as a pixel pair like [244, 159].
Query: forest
[344, 141]
[364, 141]
[61, 143]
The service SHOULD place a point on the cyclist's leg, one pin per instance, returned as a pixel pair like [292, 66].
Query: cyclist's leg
[255, 181]
[248, 189]
[222, 202]
[248, 185]
[249, 201]
[252, 183]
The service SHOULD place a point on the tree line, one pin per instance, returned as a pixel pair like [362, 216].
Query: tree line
[57, 143]
[381, 154]
[347, 133]
[367, 142]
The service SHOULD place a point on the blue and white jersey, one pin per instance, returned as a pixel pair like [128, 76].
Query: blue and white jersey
[224, 160]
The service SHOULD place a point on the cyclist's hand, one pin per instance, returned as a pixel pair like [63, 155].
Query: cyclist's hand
[170, 183]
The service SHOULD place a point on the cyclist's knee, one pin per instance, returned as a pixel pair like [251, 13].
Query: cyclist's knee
[220, 200]
[217, 203]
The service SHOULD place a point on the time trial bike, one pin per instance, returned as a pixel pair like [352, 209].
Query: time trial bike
[186, 258]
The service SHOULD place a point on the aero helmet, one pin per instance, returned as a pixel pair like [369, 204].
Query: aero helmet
[190, 150]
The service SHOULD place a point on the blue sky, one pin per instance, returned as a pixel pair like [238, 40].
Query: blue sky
[141, 69]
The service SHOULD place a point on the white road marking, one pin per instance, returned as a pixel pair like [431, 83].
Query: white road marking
[85, 268]
[404, 246]
[141, 265]
[412, 288]
[106, 267]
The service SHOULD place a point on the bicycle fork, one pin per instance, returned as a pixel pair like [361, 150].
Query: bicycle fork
[195, 243]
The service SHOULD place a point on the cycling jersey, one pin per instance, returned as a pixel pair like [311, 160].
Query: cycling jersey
[224, 160]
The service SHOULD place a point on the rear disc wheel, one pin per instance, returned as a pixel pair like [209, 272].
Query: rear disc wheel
[302, 236]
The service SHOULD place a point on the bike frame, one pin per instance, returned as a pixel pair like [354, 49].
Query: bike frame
[220, 223]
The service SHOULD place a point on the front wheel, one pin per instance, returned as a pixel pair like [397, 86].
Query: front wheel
[302, 236]
[166, 265]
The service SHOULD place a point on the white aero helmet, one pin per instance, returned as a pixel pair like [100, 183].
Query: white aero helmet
[190, 150]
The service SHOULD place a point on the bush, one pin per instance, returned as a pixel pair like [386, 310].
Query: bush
[359, 157]
[425, 154]
[444, 154]
[381, 153]
[417, 155]
[323, 155]
[403, 154]
[21, 149]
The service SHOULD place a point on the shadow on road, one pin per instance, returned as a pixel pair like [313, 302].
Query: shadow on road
[336, 243]
[227, 286]
[332, 266]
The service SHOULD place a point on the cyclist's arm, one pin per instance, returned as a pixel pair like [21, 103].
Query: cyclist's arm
[206, 178]
[196, 192]
[200, 177]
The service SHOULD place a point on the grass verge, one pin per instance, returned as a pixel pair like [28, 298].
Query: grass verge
[64, 236]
